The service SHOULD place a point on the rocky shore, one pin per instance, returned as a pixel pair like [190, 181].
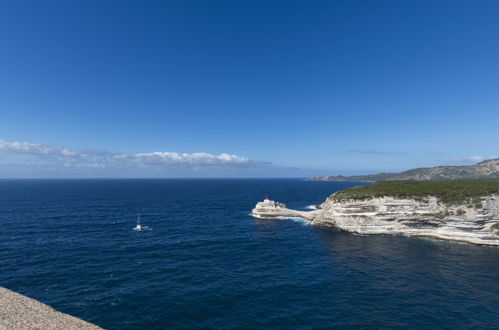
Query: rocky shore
[20, 312]
[426, 217]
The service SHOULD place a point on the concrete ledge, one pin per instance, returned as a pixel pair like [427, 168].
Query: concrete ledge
[20, 312]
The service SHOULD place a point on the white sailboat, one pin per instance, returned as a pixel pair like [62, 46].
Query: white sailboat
[138, 226]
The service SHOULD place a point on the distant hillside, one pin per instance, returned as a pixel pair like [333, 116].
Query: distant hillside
[488, 169]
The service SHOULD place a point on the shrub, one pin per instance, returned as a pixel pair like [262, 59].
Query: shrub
[457, 192]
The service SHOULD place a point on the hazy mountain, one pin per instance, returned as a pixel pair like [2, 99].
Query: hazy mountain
[488, 169]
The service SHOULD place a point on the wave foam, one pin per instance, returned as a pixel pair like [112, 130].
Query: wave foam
[144, 228]
[294, 219]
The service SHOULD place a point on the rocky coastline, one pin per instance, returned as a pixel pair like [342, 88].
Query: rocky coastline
[424, 217]
[271, 209]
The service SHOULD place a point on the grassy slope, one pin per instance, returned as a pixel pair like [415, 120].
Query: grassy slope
[449, 192]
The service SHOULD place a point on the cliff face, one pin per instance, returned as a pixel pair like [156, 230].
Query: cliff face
[414, 217]
[403, 216]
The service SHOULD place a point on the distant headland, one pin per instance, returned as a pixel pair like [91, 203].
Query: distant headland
[488, 169]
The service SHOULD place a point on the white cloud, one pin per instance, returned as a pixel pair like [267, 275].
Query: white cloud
[35, 149]
[372, 151]
[170, 158]
[102, 159]
[467, 160]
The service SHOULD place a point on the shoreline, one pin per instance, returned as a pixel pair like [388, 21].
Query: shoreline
[421, 235]
[318, 218]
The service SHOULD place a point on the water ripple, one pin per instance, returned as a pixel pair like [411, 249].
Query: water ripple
[207, 264]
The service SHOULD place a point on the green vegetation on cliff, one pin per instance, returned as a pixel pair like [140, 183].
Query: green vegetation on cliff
[449, 192]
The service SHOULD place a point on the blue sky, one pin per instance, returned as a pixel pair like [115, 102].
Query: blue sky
[251, 88]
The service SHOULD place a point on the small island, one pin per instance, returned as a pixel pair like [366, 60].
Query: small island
[460, 210]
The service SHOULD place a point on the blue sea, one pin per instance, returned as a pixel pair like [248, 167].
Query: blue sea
[206, 263]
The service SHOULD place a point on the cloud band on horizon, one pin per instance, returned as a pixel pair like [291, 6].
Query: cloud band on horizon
[93, 158]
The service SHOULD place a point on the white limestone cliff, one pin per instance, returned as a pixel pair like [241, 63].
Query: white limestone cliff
[404, 216]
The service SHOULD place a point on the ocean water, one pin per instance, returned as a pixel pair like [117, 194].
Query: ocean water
[207, 264]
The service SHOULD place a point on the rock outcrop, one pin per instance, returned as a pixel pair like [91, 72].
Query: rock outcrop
[404, 216]
[271, 209]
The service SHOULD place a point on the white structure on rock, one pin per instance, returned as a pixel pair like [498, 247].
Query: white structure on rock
[272, 209]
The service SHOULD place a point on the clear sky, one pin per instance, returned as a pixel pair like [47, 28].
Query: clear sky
[246, 88]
